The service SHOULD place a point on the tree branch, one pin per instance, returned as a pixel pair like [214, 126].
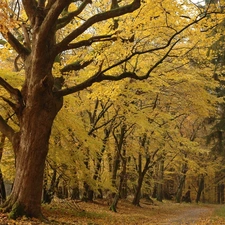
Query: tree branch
[62, 22]
[41, 3]
[14, 92]
[100, 76]
[95, 19]
[11, 104]
[6, 129]
[49, 4]
[17, 46]
[30, 9]
[52, 16]
[75, 66]
[91, 40]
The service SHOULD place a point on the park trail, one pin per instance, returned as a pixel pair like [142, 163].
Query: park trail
[190, 216]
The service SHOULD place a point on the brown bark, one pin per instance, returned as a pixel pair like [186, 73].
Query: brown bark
[37, 109]
[200, 187]
[160, 184]
[141, 175]
[31, 153]
[2, 185]
[181, 183]
[118, 158]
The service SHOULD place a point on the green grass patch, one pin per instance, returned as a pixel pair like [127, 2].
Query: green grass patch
[220, 211]
[91, 215]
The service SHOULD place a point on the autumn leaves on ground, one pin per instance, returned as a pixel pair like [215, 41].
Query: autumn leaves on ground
[69, 212]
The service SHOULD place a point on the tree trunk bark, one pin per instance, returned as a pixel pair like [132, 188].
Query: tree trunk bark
[31, 148]
[181, 183]
[141, 175]
[2, 189]
[180, 189]
[137, 196]
[2, 185]
[200, 188]
[113, 206]
[160, 184]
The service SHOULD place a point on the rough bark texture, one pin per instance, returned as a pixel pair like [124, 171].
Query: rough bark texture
[31, 153]
[37, 109]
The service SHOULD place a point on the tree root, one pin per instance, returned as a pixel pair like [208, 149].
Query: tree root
[17, 210]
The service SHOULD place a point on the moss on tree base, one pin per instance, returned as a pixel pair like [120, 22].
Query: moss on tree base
[17, 211]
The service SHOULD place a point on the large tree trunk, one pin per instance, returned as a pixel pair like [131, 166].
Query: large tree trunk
[31, 148]
[37, 108]
[2, 185]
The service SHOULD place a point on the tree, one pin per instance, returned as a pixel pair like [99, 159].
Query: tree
[46, 32]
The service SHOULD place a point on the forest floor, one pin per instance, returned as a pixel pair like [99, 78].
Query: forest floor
[65, 212]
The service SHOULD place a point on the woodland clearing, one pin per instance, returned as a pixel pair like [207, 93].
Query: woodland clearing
[68, 212]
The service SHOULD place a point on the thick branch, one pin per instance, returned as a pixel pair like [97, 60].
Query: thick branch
[96, 78]
[62, 22]
[75, 66]
[14, 92]
[26, 36]
[91, 40]
[30, 9]
[41, 3]
[100, 76]
[52, 16]
[95, 19]
[19, 48]
[11, 104]
[49, 4]
[6, 129]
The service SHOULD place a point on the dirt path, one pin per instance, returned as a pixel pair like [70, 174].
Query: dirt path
[190, 216]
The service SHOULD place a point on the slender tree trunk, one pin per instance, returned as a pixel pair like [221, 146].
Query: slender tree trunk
[160, 184]
[137, 195]
[200, 188]
[220, 193]
[49, 190]
[181, 183]
[117, 195]
[180, 189]
[141, 175]
[118, 158]
[98, 162]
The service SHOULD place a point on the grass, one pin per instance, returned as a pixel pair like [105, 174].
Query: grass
[220, 211]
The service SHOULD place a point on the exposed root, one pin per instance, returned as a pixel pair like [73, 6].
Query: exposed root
[17, 211]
